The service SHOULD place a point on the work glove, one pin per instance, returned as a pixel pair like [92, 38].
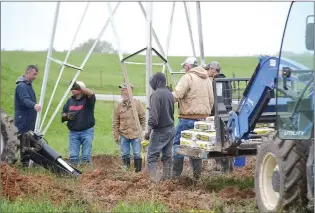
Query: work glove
[147, 136]
[170, 88]
[75, 86]
[68, 116]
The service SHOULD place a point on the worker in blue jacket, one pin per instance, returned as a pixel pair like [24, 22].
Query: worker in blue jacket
[25, 107]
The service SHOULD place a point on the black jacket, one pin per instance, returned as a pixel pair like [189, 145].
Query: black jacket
[161, 103]
[84, 108]
[24, 102]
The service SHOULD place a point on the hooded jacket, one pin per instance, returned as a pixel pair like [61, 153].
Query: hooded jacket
[24, 102]
[161, 103]
[194, 94]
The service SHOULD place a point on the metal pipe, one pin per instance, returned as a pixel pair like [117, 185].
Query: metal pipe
[60, 103]
[133, 106]
[114, 31]
[171, 71]
[79, 71]
[98, 38]
[189, 29]
[65, 61]
[156, 38]
[140, 63]
[169, 35]
[148, 56]
[202, 56]
[45, 78]
[62, 162]
[133, 54]
[152, 30]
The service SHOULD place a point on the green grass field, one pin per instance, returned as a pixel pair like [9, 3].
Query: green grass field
[14, 64]
[103, 74]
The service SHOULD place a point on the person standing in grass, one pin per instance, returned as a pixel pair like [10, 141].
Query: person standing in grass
[194, 95]
[124, 128]
[161, 121]
[79, 114]
[25, 107]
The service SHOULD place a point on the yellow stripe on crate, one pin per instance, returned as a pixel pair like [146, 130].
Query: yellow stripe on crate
[263, 130]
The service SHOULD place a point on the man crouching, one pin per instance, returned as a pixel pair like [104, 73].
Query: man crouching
[161, 121]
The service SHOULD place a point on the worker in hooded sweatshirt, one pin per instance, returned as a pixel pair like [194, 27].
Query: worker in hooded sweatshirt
[160, 129]
[25, 108]
[194, 95]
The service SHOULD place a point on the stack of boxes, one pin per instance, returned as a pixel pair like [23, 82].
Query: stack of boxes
[202, 136]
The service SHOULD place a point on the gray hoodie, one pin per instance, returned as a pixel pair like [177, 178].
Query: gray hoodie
[161, 103]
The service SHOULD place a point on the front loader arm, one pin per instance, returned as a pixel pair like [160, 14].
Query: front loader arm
[256, 97]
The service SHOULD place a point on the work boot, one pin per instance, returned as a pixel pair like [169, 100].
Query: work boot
[196, 165]
[167, 169]
[178, 165]
[126, 162]
[138, 164]
[25, 162]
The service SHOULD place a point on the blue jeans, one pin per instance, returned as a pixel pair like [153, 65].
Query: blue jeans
[78, 138]
[125, 147]
[183, 124]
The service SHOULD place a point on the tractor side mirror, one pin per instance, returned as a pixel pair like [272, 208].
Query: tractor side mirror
[309, 36]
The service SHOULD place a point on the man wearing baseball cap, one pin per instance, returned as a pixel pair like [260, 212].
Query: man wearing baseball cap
[79, 114]
[214, 71]
[125, 130]
[194, 95]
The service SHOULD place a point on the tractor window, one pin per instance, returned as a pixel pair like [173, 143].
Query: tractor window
[295, 84]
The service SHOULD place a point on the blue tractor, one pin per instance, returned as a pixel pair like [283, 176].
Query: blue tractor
[279, 95]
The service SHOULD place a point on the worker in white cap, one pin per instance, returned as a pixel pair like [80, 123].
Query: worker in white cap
[194, 95]
[79, 114]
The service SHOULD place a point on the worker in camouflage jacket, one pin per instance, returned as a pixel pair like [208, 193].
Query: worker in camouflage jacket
[161, 129]
[194, 95]
[124, 128]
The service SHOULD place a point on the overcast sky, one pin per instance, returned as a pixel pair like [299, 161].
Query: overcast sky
[229, 28]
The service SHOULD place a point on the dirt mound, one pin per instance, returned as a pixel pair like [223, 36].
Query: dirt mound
[247, 171]
[14, 184]
[234, 193]
[106, 161]
[108, 184]
[101, 186]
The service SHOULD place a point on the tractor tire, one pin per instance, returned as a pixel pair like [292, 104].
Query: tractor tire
[9, 142]
[280, 175]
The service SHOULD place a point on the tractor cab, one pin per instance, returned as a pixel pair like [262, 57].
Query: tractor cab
[295, 81]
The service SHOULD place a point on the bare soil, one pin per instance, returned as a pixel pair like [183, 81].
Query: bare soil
[106, 183]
